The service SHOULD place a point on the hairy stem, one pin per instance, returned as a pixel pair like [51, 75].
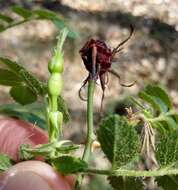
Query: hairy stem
[161, 117]
[132, 173]
[90, 133]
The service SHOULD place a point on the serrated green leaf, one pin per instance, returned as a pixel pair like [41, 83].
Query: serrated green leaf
[27, 152]
[69, 164]
[6, 18]
[161, 93]
[171, 122]
[25, 13]
[12, 65]
[163, 116]
[167, 148]
[155, 102]
[156, 97]
[9, 78]
[50, 151]
[126, 183]
[45, 14]
[168, 182]
[62, 107]
[23, 154]
[23, 95]
[33, 83]
[119, 140]
[5, 162]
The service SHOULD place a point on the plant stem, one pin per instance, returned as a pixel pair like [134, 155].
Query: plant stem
[54, 88]
[90, 134]
[54, 105]
[132, 173]
[161, 117]
[17, 23]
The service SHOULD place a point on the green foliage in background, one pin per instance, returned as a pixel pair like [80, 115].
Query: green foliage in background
[26, 85]
[159, 111]
[26, 15]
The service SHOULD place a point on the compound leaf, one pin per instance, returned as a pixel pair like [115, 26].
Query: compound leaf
[25, 13]
[32, 82]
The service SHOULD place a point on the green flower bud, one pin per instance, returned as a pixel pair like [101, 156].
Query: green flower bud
[55, 120]
[55, 84]
[56, 65]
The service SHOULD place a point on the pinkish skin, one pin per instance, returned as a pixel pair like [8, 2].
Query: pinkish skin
[15, 132]
[37, 174]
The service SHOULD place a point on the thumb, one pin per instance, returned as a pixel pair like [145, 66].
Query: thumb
[14, 132]
[29, 175]
[33, 175]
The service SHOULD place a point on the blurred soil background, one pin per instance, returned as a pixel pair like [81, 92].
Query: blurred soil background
[150, 56]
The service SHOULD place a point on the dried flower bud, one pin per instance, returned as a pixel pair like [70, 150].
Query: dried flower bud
[98, 52]
[97, 58]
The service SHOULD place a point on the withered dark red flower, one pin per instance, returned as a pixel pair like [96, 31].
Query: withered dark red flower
[97, 58]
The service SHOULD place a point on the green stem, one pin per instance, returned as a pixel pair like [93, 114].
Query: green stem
[17, 23]
[90, 133]
[133, 173]
[20, 22]
[54, 105]
[161, 117]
